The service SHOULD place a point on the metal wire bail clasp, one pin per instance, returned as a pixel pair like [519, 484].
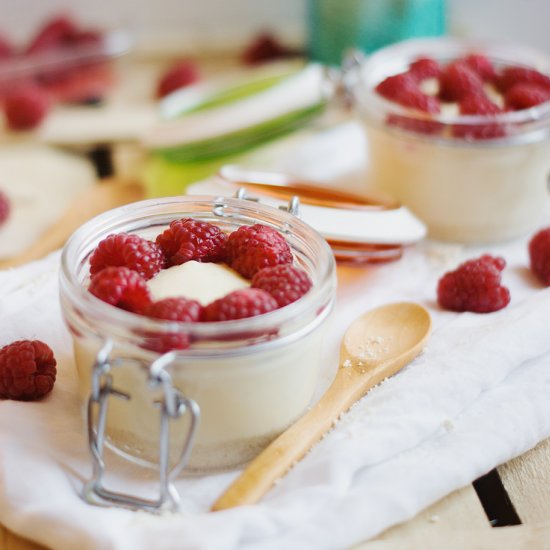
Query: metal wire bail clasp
[292, 207]
[173, 405]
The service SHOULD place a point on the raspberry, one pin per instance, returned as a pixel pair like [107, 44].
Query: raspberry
[178, 76]
[87, 84]
[481, 65]
[457, 81]
[173, 309]
[176, 309]
[6, 49]
[524, 95]
[253, 247]
[189, 239]
[131, 251]
[397, 85]
[284, 282]
[425, 67]
[478, 104]
[403, 89]
[80, 37]
[539, 255]
[474, 286]
[421, 102]
[240, 304]
[265, 47]
[52, 35]
[4, 207]
[27, 370]
[121, 287]
[25, 107]
[515, 75]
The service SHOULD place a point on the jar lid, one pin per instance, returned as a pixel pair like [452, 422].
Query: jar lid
[358, 228]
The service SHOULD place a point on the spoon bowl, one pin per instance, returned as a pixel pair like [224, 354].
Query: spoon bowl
[376, 345]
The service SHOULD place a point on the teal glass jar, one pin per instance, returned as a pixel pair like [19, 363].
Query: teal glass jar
[335, 26]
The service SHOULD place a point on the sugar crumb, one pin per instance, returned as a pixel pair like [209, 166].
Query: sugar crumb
[448, 425]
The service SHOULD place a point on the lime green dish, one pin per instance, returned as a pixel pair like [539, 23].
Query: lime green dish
[243, 140]
[215, 123]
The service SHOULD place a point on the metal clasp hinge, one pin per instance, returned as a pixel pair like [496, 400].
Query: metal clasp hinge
[173, 406]
[293, 206]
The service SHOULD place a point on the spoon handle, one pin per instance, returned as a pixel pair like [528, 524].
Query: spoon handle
[291, 446]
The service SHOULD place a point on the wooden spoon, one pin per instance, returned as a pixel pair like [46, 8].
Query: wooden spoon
[376, 345]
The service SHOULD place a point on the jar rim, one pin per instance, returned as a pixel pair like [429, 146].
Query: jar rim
[532, 124]
[79, 247]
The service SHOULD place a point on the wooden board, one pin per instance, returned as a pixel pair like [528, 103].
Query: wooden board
[95, 200]
[527, 481]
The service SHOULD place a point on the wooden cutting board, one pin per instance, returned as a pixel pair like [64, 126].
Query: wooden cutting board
[106, 195]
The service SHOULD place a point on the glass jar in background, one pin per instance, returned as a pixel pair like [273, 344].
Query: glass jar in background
[337, 25]
[473, 179]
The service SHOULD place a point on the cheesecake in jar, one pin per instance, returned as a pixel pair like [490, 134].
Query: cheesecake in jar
[459, 132]
[250, 376]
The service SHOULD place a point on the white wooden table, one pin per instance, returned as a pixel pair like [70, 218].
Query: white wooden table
[508, 508]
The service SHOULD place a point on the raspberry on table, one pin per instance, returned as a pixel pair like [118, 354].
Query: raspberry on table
[173, 309]
[457, 81]
[240, 304]
[253, 247]
[5, 207]
[121, 287]
[131, 251]
[425, 67]
[178, 76]
[27, 370]
[264, 47]
[474, 286]
[524, 95]
[189, 239]
[481, 65]
[25, 107]
[514, 75]
[285, 282]
[539, 255]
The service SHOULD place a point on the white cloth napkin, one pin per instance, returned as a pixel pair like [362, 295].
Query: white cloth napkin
[477, 397]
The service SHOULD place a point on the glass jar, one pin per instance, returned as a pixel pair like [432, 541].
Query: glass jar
[250, 378]
[466, 190]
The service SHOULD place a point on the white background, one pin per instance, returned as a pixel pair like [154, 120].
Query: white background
[192, 24]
